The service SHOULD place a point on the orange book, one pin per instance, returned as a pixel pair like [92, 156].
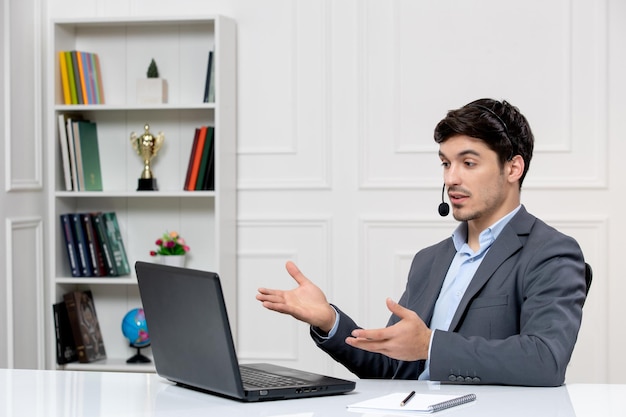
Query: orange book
[197, 157]
[81, 72]
[65, 83]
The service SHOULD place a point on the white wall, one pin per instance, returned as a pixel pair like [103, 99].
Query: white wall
[337, 168]
[22, 284]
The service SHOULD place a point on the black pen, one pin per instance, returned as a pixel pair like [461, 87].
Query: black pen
[407, 399]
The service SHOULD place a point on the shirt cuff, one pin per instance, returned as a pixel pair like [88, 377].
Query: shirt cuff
[425, 375]
[332, 331]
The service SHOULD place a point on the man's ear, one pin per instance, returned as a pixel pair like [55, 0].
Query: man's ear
[516, 168]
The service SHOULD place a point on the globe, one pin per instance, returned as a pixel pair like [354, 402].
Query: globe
[135, 329]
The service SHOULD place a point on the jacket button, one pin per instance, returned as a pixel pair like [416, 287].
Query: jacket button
[452, 377]
[476, 380]
[469, 379]
[460, 379]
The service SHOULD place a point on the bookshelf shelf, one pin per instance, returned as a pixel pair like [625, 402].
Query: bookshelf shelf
[113, 365]
[124, 280]
[135, 107]
[135, 194]
[206, 219]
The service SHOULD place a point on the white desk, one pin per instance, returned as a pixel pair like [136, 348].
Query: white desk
[85, 394]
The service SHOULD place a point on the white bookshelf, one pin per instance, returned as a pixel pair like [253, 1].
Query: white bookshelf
[206, 219]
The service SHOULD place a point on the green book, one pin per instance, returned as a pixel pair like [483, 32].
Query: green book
[90, 155]
[107, 254]
[118, 251]
[70, 75]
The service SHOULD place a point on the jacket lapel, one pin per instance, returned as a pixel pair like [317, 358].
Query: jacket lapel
[425, 303]
[508, 243]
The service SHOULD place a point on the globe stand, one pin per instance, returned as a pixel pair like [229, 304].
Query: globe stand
[138, 357]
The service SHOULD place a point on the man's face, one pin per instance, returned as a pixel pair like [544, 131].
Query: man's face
[477, 184]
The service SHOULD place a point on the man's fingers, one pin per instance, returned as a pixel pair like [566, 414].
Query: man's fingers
[371, 334]
[270, 297]
[398, 310]
[295, 272]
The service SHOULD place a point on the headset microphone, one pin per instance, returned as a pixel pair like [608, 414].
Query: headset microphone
[444, 208]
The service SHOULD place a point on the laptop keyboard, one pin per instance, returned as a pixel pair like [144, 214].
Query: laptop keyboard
[260, 379]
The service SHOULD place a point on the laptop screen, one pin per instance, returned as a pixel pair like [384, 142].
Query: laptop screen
[189, 329]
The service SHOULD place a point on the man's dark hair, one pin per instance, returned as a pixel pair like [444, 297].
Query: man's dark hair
[499, 124]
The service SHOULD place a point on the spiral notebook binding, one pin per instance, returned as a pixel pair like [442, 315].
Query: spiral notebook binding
[452, 403]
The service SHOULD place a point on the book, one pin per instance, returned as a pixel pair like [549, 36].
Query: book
[89, 156]
[70, 77]
[107, 253]
[90, 78]
[204, 160]
[209, 176]
[197, 158]
[98, 78]
[192, 154]
[93, 246]
[84, 260]
[78, 158]
[70, 244]
[114, 234]
[65, 345]
[84, 67]
[83, 319]
[420, 403]
[77, 82]
[211, 95]
[65, 84]
[65, 153]
[69, 130]
[207, 83]
[82, 72]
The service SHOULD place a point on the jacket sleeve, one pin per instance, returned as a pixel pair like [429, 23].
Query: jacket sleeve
[362, 363]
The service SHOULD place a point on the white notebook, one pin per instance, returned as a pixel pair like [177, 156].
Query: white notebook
[421, 403]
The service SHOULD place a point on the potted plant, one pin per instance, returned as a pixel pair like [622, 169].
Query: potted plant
[152, 89]
[171, 249]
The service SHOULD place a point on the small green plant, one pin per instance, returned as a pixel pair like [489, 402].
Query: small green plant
[153, 71]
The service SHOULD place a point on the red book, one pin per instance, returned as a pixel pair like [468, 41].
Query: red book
[197, 158]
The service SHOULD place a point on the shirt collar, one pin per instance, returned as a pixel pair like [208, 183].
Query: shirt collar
[487, 236]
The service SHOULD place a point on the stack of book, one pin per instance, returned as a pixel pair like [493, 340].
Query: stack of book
[94, 244]
[78, 334]
[80, 77]
[80, 153]
[201, 169]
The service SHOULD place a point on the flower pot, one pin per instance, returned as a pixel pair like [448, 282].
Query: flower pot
[173, 260]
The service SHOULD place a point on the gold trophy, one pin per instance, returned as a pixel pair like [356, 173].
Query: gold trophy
[147, 147]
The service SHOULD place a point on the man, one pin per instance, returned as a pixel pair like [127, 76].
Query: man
[500, 302]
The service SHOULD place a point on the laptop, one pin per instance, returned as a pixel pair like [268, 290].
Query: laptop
[192, 344]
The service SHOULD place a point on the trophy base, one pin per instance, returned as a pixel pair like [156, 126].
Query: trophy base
[147, 184]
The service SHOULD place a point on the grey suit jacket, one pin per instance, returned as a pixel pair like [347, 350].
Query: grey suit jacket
[516, 324]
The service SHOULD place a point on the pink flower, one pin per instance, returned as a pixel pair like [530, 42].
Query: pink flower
[171, 243]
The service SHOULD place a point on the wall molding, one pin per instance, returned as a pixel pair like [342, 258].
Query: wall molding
[35, 182]
[34, 227]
